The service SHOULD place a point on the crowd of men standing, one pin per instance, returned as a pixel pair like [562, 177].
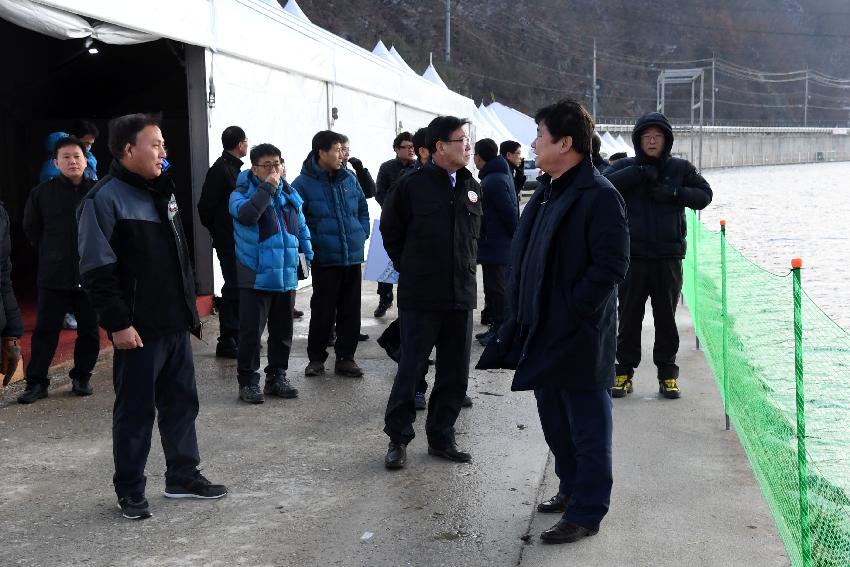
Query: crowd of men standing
[113, 253]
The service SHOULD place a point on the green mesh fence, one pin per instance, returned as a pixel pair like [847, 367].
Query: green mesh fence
[755, 373]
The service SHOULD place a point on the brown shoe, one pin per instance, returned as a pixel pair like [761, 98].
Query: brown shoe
[315, 369]
[347, 367]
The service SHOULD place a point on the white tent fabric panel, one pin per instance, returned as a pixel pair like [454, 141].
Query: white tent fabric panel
[61, 24]
[271, 105]
[401, 62]
[609, 144]
[183, 20]
[411, 119]
[293, 8]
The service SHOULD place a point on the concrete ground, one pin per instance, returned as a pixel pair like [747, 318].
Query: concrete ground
[308, 486]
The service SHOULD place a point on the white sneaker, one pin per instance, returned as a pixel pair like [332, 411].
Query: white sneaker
[70, 322]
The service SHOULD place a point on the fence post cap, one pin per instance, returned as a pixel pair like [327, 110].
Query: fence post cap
[722, 222]
[796, 263]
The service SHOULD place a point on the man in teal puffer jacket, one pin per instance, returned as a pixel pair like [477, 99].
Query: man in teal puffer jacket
[338, 218]
[269, 229]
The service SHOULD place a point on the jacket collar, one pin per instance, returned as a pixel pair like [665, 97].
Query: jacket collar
[232, 159]
[463, 174]
[162, 184]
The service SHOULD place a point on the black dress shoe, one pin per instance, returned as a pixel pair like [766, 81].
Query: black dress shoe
[449, 452]
[467, 401]
[557, 503]
[81, 387]
[566, 532]
[35, 391]
[396, 456]
[362, 337]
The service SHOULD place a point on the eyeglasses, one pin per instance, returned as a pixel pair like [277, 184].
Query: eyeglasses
[273, 165]
[464, 139]
[406, 147]
[652, 137]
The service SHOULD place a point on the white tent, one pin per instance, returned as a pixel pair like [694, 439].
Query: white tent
[520, 125]
[401, 62]
[609, 144]
[431, 74]
[264, 68]
[625, 146]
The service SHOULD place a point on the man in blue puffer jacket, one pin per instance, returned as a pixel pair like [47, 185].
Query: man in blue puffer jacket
[338, 218]
[269, 229]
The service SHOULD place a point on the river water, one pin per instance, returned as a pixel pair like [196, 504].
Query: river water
[777, 213]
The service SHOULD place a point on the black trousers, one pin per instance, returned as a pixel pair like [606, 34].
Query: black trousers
[451, 332]
[391, 338]
[385, 292]
[228, 312]
[661, 281]
[578, 427]
[495, 276]
[52, 306]
[155, 381]
[336, 299]
[255, 309]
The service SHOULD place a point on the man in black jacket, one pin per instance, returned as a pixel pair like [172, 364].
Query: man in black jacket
[134, 264]
[657, 188]
[212, 210]
[50, 223]
[364, 178]
[570, 251]
[430, 225]
[498, 224]
[390, 171]
[512, 152]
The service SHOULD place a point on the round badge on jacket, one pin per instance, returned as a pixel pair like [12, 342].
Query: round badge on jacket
[473, 196]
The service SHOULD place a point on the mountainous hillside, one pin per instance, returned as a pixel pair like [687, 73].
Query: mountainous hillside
[527, 53]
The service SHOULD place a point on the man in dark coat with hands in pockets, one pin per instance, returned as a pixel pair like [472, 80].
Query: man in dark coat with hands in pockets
[570, 251]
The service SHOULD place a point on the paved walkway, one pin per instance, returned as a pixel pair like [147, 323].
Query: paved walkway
[308, 486]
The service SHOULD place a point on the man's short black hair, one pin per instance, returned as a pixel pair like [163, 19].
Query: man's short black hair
[596, 143]
[486, 149]
[325, 140]
[124, 129]
[263, 150]
[402, 137]
[508, 147]
[421, 139]
[568, 117]
[68, 141]
[442, 127]
[232, 137]
[616, 156]
[83, 128]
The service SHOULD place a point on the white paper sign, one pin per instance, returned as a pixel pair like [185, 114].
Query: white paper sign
[379, 267]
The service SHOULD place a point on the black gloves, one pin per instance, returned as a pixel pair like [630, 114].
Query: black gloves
[355, 163]
[648, 172]
[664, 193]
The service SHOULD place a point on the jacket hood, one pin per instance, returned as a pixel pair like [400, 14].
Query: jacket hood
[659, 121]
[50, 141]
[496, 165]
[311, 168]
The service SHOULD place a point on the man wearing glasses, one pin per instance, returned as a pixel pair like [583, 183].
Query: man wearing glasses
[657, 187]
[270, 229]
[213, 212]
[430, 223]
[390, 172]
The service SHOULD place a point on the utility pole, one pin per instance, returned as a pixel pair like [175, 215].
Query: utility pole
[593, 113]
[806, 101]
[713, 86]
[448, 31]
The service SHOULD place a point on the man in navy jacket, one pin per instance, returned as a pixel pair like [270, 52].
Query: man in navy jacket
[498, 224]
[570, 251]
